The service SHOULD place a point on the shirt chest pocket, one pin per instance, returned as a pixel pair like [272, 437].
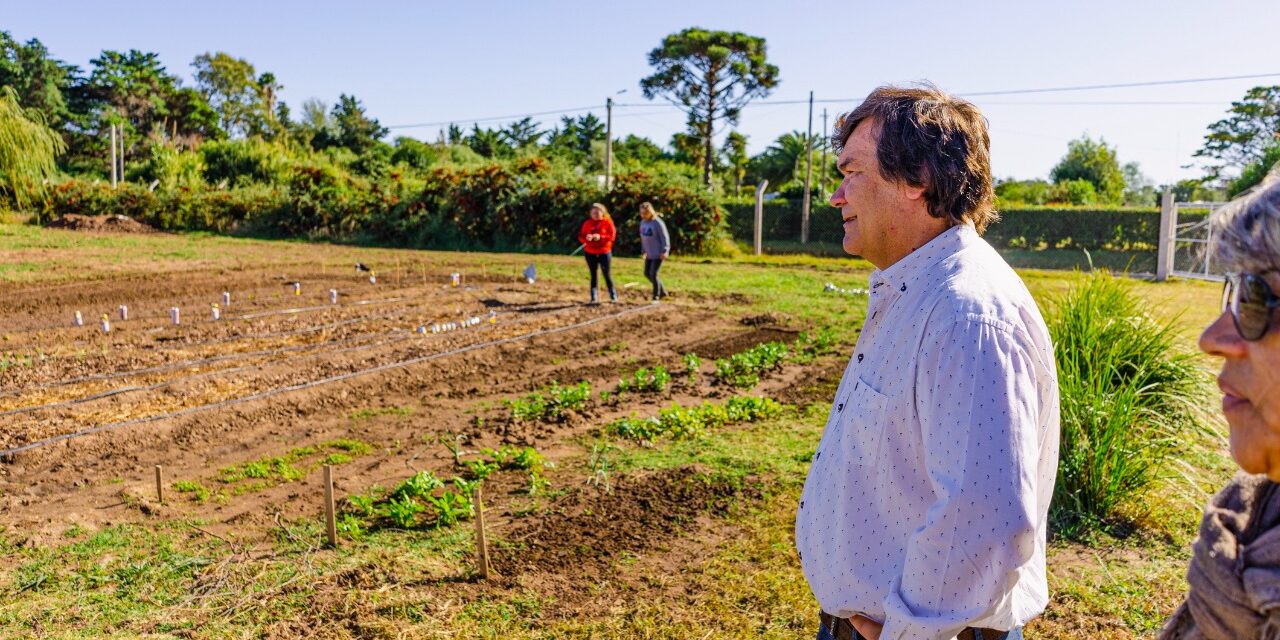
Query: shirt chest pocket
[862, 424]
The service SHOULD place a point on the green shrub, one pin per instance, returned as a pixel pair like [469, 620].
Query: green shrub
[518, 204]
[1128, 399]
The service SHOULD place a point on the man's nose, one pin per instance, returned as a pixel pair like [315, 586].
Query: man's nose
[837, 197]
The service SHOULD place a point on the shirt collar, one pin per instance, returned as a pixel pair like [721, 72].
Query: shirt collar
[917, 262]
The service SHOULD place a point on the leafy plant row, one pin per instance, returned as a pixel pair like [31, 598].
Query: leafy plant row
[678, 423]
[423, 498]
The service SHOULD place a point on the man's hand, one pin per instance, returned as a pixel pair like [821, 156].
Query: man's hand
[866, 627]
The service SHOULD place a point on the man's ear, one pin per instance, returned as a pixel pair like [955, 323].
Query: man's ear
[915, 193]
[910, 192]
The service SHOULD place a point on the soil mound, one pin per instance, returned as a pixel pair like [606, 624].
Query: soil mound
[589, 527]
[108, 224]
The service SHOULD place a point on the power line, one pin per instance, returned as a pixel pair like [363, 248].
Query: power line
[1123, 85]
[495, 118]
[765, 103]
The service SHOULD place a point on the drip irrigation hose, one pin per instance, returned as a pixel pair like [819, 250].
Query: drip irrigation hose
[207, 374]
[9, 453]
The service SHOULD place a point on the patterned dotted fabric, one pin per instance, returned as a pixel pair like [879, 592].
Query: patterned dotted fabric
[926, 506]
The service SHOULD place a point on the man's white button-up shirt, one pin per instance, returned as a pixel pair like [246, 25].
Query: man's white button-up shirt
[926, 505]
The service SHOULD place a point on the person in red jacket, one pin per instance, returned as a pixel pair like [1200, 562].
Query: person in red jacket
[597, 236]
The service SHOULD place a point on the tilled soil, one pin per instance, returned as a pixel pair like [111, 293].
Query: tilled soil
[279, 371]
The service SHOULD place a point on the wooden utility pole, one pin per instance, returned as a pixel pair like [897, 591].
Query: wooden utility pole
[608, 144]
[822, 173]
[808, 176]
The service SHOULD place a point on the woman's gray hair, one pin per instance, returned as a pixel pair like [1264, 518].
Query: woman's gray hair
[1246, 233]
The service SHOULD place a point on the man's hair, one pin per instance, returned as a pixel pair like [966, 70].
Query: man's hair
[928, 138]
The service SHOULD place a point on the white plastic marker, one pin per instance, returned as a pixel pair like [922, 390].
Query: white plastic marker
[456, 278]
[435, 328]
[493, 317]
[333, 296]
[297, 288]
[831, 288]
[226, 298]
[176, 315]
[79, 320]
[124, 312]
[530, 273]
[216, 311]
[106, 324]
[373, 278]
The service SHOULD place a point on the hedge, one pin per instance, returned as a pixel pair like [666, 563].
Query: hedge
[522, 205]
[1031, 228]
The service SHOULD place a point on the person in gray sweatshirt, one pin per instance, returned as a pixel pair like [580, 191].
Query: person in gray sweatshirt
[655, 243]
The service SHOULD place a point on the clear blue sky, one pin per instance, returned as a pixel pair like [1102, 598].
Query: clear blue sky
[415, 62]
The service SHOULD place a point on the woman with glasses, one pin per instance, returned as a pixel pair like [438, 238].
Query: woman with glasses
[1234, 576]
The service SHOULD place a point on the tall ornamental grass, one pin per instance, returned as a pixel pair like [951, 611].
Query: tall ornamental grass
[1129, 397]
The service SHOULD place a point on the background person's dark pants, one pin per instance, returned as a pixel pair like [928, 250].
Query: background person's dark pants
[651, 267]
[600, 261]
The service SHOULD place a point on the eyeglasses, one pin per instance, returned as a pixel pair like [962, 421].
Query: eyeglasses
[1250, 301]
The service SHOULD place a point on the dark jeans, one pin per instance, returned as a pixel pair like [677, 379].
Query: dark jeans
[651, 267]
[826, 634]
[600, 261]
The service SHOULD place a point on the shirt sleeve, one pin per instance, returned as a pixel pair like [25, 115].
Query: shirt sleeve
[607, 231]
[582, 233]
[662, 235]
[976, 394]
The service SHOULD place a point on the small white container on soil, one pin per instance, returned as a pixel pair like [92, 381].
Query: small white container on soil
[333, 296]
[226, 298]
[106, 324]
[297, 288]
[175, 314]
[78, 320]
[124, 312]
[216, 311]
[455, 279]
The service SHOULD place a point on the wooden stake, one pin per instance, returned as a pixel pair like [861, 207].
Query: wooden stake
[159, 484]
[482, 545]
[330, 525]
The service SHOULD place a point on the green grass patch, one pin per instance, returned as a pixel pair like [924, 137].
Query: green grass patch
[377, 412]
[256, 475]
